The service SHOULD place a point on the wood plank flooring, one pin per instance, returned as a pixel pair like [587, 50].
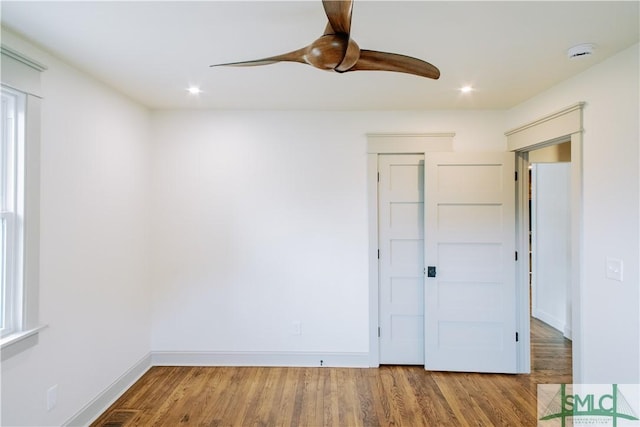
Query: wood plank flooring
[385, 396]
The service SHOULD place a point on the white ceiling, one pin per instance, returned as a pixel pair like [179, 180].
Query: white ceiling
[153, 50]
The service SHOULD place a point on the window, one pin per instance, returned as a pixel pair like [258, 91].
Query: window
[11, 210]
[19, 201]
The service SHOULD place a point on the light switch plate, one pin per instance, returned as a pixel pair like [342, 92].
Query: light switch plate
[614, 269]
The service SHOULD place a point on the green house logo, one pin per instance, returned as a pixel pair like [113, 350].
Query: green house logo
[586, 405]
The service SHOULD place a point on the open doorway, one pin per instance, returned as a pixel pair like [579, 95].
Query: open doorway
[552, 129]
[549, 176]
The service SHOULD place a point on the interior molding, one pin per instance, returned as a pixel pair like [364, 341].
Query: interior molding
[374, 303]
[101, 403]
[20, 72]
[568, 334]
[547, 129]
[550, 320]
[259, 358]
[399, 143]
[19, 342]
[14, 54]
[561, 126]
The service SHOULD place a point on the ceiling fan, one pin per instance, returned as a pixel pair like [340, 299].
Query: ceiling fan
[335, 50]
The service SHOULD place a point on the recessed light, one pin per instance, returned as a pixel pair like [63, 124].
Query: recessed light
[194, 90]
[466, 89]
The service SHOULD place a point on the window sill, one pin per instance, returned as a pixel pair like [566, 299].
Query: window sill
[20, 341]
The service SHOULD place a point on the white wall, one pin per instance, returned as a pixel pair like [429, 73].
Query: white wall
[261, 220]
[551, 240]
[610, 309]
[94, 258]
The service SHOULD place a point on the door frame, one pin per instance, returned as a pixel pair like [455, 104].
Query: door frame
[384, 143]
[561, 126]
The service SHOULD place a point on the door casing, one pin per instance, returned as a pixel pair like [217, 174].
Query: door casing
[561, 126]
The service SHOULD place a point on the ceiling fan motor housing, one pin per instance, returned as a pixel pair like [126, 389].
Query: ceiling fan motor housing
[333, 52]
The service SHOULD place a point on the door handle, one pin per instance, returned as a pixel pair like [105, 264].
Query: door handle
[431, 271]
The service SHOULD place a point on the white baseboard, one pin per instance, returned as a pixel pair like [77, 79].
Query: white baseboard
[294, 359]
[568, 333]
[549, 320]
[97, 406]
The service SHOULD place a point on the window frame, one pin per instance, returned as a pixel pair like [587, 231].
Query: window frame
[12, 211]
[21, 75]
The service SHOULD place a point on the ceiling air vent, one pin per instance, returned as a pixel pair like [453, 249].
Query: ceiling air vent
[580, 51]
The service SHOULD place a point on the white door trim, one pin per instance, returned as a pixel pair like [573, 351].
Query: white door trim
[551, 129]
[389, 144]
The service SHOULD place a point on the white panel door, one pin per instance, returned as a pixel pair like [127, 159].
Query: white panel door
[470, 304]
[401, 264]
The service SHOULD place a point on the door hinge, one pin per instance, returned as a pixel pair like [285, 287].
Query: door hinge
[516, 255]
[516, 173]
[378, 176]
[517, 338]
[378, 253]
[378, 331]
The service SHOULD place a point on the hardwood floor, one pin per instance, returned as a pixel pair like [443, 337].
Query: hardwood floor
[389, 395]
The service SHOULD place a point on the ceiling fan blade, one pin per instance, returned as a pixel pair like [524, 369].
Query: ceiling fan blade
[328, 30]
[339, 14]
[294, 56]
[383, 61]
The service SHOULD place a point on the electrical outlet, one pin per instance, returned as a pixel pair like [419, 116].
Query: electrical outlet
[52, 397]
[296, 327]
[614, 269]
